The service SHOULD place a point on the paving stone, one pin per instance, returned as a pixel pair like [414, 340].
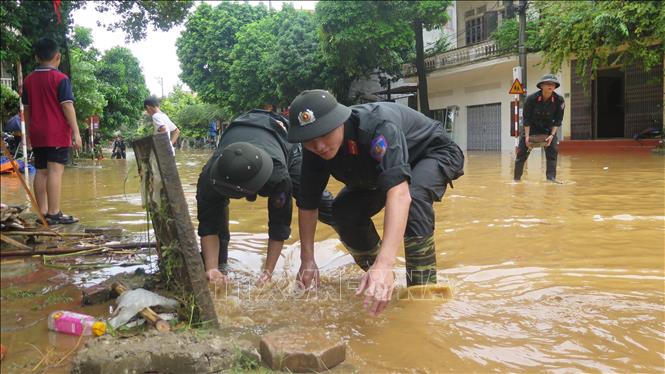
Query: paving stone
[299, 349]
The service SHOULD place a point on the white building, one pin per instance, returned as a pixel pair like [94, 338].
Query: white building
[468, 88]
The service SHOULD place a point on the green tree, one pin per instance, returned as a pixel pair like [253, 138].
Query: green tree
[362, 37]
[204, 47]
[359, 37]
[178, 99]
[423, 15]
[8, 104]
[123, 85]
[193, 120]
[87, 89]
[85, 85]
[274, 59]
[22, 22]
[596, 34]
[136, 16]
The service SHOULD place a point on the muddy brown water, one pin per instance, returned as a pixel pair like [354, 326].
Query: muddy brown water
[556, 278]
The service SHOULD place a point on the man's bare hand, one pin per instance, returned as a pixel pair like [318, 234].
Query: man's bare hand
[77, 144]
[215, 276]
[308, 275]
[265, 278]
[377, 285]
[549, 140]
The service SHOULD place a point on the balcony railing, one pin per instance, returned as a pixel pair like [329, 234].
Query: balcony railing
[459, 56]
[6, 82]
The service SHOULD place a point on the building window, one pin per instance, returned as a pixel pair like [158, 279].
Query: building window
[474, 30]
[439, 115]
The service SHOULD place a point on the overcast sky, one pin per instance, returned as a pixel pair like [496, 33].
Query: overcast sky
[157, 52]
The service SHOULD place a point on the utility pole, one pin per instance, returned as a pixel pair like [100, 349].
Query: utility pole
[522, 42]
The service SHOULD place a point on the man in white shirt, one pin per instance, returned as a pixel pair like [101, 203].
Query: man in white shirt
[161, 121]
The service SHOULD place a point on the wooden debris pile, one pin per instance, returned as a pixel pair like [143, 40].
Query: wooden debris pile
[9, 217]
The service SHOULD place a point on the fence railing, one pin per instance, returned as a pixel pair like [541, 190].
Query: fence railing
[6, 82]
[459, 56]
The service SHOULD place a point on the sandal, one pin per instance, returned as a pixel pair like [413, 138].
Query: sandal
[60, 219]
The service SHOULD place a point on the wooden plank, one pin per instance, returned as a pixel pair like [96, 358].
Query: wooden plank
[181, 265]
[14, 243]
[147, 313]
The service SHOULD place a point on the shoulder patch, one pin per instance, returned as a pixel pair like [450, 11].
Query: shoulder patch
[279, 200]
[378, 147]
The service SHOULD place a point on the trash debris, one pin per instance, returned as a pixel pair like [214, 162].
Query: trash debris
[75, 323]
[3, 351]
[132, 302]
[9, 217]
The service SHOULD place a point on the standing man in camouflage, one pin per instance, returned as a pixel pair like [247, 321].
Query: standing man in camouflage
[543, 113]
[387, 155]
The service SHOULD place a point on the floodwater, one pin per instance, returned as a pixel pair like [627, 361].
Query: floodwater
[545, 277]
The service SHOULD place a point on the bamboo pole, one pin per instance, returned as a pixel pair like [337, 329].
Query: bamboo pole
[147, 313]
[15, 243]
[24, 138]
[50, 233]
[58, 251]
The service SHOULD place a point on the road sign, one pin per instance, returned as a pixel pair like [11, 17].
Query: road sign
[516, 88]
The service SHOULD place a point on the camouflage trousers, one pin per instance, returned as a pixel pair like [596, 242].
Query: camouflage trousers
[420, 257]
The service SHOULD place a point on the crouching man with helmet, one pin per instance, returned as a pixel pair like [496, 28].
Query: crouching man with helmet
[387, 155]
[253, 158]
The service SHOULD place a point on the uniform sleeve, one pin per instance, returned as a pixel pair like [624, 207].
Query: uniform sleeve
[211, 211]
[280, 209]
[528, 112]
[295, 166]
[558, 114]
[389, 147]
[314, 177]
[65, 93]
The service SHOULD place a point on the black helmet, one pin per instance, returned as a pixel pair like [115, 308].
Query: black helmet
[315, 113]
[549, 78]
[240, 170]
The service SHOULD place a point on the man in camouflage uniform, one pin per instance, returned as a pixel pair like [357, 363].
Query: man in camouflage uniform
[387, 155]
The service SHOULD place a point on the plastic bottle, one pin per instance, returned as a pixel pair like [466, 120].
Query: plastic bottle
[75, 323]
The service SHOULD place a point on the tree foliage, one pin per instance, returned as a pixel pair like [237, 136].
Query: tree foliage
[423, 15]
[204, 47]
[194, 119]
[123, 85]
[596, 34]
[85, 86]
[136, 16]
[23, 22]
[359, 37]
[275, 59]
[362, 37]
[8, 104]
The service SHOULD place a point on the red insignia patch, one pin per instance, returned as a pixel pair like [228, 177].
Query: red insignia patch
[352, 147]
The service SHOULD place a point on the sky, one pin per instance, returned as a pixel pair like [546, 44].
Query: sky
[157, 52]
